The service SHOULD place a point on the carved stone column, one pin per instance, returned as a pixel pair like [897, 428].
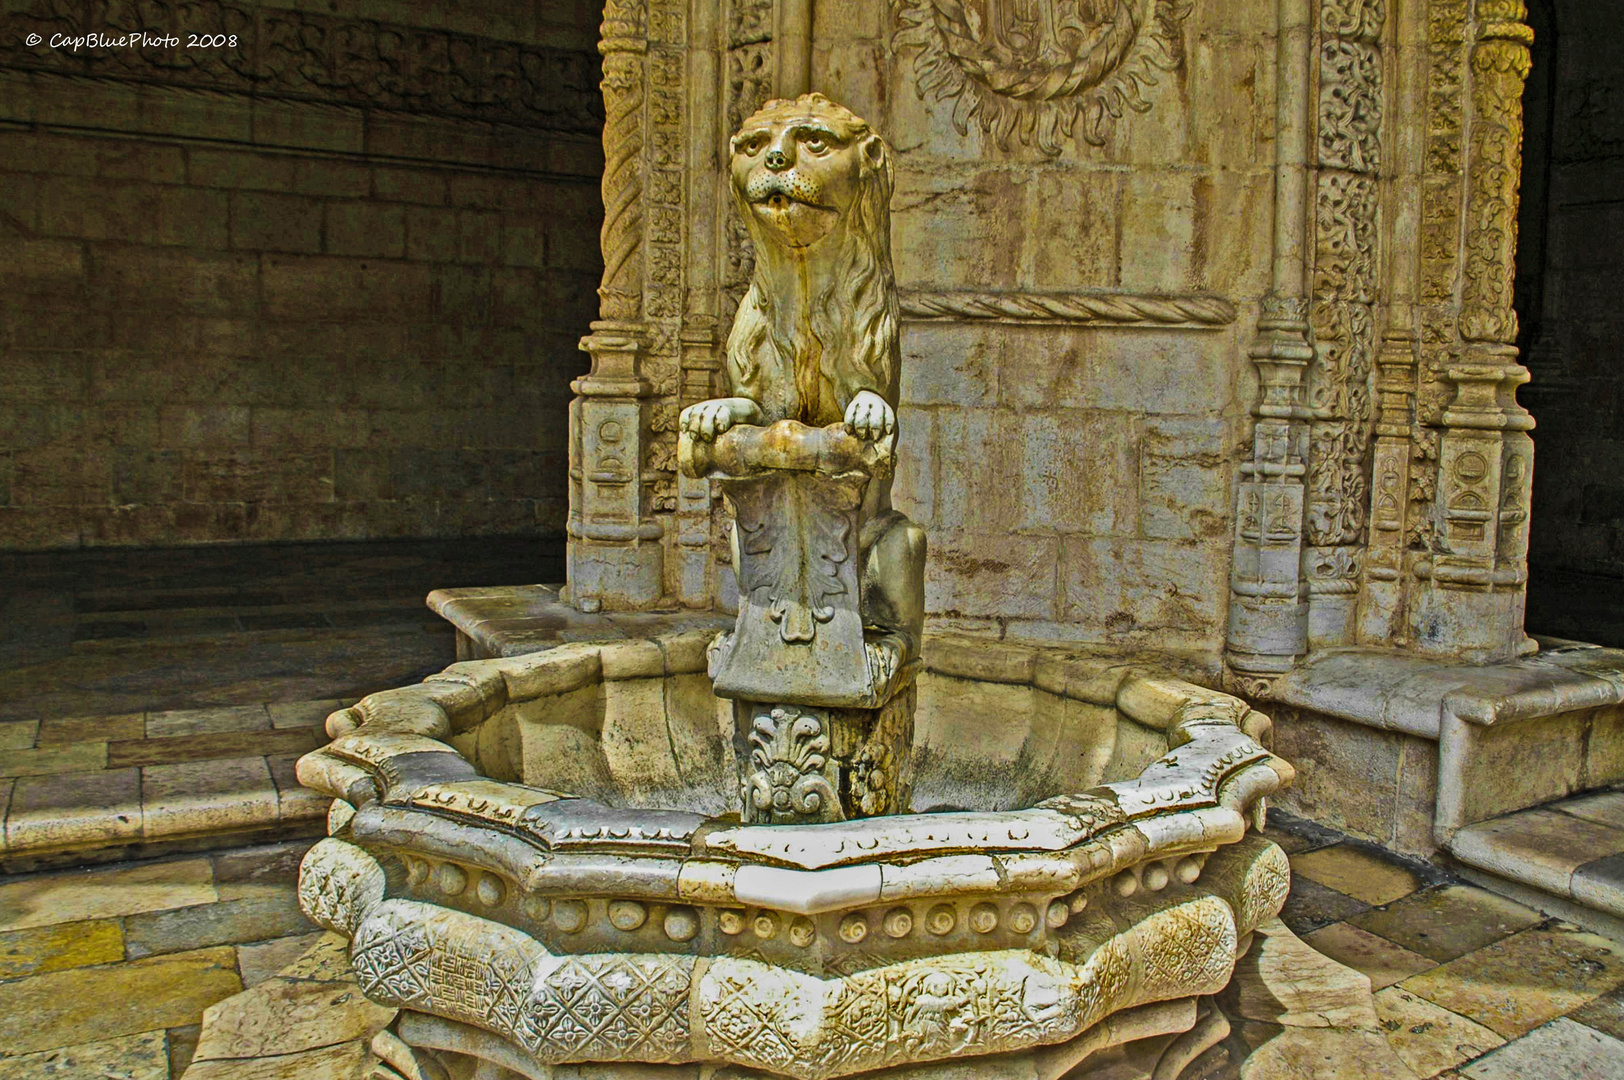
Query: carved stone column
[1381, 600]
[1383, 594]
[1268, 612]
[823, 713]
[1474, 591]
[615, 556]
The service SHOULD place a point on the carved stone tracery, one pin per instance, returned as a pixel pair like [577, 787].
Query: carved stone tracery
[1347, 223]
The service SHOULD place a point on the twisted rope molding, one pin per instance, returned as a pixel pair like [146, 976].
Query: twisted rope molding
[1088, 309]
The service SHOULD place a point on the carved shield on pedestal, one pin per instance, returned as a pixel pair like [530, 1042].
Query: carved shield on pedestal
[800, 628]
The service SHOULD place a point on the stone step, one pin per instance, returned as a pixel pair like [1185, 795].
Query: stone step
[92, 789]
[1566, 858]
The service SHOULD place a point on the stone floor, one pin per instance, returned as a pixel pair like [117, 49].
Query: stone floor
[106, 972]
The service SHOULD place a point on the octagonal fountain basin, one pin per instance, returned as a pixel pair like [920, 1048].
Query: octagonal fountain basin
[539, 861]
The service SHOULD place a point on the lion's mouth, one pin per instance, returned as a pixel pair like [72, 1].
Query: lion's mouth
[782, 200]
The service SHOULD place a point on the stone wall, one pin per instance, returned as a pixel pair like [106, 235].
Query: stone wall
[327, 283]
[1574, 237]
[1075, 472]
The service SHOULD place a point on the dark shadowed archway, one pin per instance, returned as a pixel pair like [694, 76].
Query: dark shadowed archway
[1570, 276]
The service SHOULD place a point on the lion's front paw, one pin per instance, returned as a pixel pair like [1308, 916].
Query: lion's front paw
[869, 416]
[709, 419]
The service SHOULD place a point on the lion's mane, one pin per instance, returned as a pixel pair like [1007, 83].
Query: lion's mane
[853, 315]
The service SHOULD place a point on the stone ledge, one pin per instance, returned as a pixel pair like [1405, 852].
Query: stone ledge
[1572, 851]
[1409, 693]
[96, 789]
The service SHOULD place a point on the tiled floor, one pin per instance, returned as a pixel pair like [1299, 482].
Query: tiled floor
[106, 972]
[91, 789]
[116, 965]
[1468, 984]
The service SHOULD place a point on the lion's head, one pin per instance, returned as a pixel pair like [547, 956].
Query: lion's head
[802, 168]
[813, 183]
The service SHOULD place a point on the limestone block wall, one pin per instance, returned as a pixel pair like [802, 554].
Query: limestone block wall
[1075, 473]
[327, 283]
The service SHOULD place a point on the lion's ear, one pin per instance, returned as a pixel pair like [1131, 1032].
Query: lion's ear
[877, 156]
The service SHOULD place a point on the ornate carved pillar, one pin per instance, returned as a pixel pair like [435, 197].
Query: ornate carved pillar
[1473, 593]
[615, 553]
[1347, 227]
[1383, 587]
[1267, 607]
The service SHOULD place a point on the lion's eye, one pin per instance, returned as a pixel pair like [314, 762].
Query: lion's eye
[816, 144]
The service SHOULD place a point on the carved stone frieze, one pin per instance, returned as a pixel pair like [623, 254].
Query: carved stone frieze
[1445, 156]
[1340, 391]
[1043, 72]
[289, 53]
[790, 777]
[1355, 20]
[1345, 222]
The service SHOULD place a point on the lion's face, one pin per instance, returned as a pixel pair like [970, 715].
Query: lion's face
[798, 167]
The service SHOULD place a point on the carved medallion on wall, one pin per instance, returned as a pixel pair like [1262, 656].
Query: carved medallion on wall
[1043, 71]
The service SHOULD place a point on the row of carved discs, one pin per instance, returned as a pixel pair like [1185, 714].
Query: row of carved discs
[940, 920]
[681, 923]
[1156, 876]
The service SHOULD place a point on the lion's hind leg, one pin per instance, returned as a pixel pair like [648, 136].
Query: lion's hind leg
[894, 589]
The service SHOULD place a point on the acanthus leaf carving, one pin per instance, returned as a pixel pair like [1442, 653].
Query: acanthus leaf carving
[789, 780]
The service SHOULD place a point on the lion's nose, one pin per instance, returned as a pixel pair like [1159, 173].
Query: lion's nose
[777, 160]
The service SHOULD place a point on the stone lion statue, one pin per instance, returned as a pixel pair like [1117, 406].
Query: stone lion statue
[815, 338]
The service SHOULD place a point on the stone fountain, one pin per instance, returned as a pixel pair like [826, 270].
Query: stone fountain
[818, 845]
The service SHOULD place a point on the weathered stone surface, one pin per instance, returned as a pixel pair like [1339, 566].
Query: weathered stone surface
[208, 721]
[90, 1004]
[76, 809]
[1561, 1048]
[259, 962]
[131, 1057]
[346, 1061]
[1282, 981]
[65, 945]
[286, 1016]
[225, 922]
[1430, 1039]
[102, 894]
[1515, 985]
[207, 796]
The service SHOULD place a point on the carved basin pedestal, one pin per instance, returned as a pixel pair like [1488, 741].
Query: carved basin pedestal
[823, 704]
[539, 861]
